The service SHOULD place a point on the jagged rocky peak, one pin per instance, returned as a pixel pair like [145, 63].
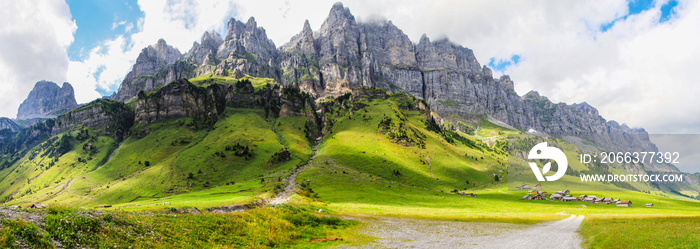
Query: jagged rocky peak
[6, 123]
[164, 52]
[205, 53]
[303, 42]
[144, 75]
[585, 108]
[47, 100]
[212, 39]
[504, 81]
[306, 31]
[153, 58]
[532, 95]
[246, 50]
[251, 24]
[245, 40]
[339, 36]
[338, 17]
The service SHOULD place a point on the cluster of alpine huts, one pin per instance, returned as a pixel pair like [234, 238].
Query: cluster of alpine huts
[565, 195]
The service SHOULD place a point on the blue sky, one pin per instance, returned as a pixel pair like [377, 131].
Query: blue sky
[99, 20]
[637, 6]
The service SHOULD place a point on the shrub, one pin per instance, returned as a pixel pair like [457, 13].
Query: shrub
[306, 219]
[240, 151]
[279, 157]
[305, 190]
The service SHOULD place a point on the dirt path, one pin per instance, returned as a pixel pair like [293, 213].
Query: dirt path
[288, 190]
[412, 233]
[64, 189]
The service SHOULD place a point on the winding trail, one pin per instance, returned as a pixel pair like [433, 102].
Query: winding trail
[288, 190]
[413, 233]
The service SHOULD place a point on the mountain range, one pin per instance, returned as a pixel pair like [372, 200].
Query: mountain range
[345, 54]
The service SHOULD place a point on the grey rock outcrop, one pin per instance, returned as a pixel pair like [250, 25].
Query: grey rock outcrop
[6, 123]
[176, 100]
[246, 50]
[47, 100]
[106, 117]
[155, 66]
[299, 62]
[205, 53]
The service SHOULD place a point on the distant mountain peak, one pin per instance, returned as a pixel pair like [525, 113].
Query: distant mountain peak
[6, 123]
[307, 28]
[251, 24]
[339, 16]
[47, 100]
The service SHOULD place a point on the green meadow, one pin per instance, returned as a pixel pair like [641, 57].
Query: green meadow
[650, 231]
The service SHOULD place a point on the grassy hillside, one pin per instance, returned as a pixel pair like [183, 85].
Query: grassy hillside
[162, 160]
[356, 171]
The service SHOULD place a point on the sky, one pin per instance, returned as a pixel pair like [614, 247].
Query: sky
[635, 61]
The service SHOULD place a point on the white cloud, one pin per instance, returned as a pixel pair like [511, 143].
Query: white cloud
[639, 72]
[180, 23]
[34, 35]
[116, 24]
[128, 27]
[104, 67]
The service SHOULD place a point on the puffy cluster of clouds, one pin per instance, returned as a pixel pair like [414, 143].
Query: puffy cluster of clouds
[34, 36]
[180, 23]
[638, 71]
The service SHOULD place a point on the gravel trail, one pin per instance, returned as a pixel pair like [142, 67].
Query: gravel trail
[413, 233]
[288, 190]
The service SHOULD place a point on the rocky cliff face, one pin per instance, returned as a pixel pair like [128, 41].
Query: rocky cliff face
[344, 54]
[155, 66]
[6, 123]
[176, 100]
[47, 100]
[106, 117]
[246, 50]
[205, 53]
[447, 76]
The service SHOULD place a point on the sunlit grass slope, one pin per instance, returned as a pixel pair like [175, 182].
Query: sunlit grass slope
[355, 173]
[166, 159]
